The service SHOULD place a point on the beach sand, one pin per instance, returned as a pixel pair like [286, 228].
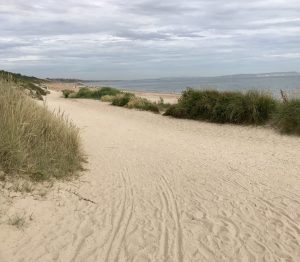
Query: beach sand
[164, 190]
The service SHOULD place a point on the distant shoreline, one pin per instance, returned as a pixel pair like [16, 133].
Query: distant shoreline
[152, 96]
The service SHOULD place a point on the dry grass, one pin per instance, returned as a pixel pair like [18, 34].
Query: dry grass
[107, 98]
[17, 220]
[142, 104]
[34, 141]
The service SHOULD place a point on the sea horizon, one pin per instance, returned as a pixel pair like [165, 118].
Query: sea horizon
[289, 82]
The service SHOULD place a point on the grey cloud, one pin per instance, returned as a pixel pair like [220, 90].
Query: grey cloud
[150, 36]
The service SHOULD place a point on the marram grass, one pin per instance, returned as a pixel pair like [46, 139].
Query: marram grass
[224, 107]
[33, 141]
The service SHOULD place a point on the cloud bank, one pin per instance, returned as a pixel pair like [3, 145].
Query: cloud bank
[114, 39]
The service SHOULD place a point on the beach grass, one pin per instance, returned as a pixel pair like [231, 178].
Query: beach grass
[67, 93]
[95, 93]
[118, 98]
[35, 142]
[249, 108]
[287, 117]
[107, 98]
[122, 99]
[142, 104]
[224, 107]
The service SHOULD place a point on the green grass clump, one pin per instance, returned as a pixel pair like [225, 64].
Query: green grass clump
[95, 93]
[142, 104]
[67, 93]
[17, 220]
[33, 141]
[107, 98]
[224, 107]
[286, 119]
[122, 99]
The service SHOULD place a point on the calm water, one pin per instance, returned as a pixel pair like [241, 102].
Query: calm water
[272, 84]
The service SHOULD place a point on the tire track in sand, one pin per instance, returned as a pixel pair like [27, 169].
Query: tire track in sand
[171, 208]
[122, 221]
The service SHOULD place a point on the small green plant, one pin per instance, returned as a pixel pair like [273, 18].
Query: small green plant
[67, 92]
[286, 119]
[107, 98]
[122, 99]
[142, 104]
[38, 176]
[17, 221]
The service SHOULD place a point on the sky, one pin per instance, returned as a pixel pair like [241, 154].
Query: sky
[134, 39]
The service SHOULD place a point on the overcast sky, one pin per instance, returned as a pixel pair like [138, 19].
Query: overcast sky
[117, 39]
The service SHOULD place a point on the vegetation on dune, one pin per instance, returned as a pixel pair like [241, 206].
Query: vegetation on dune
[13, 77]
[95, 93]
[67, 93]
[107, 98]
[122, 99]
[287, 117]
[32, 84]
[224, 107]
[33, 141]
[142, 104]
[252, 107]
[118, 98]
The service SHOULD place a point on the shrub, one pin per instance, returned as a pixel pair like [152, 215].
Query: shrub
[67, 92]
[287, 117]
[224, 107]
[142, 104]
[122, 99]
[96, 93]
[34, 141]
[107, 98]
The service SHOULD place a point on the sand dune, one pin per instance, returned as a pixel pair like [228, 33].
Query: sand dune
[165, 190]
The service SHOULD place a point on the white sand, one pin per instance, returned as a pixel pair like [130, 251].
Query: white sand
[165, 190]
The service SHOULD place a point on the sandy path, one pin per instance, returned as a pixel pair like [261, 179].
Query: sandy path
[166, 190]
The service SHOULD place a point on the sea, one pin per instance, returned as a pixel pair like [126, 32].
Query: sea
[271, 83]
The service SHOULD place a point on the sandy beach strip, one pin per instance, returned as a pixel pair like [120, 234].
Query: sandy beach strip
[164, 190]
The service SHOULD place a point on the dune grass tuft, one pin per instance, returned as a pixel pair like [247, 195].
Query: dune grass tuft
[34, 141]
[142, 104]
[224, 107]
[95, 93]
[67, 93]
[286, 119]
[17, 220]
[107, 98]
[122, 99]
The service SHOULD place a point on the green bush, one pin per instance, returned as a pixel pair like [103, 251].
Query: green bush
[224, 107]
[107, 98]
[67, 93]
[122, 99]
[96, 93]
[286, 119]
[34, 141]
[142, 104]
